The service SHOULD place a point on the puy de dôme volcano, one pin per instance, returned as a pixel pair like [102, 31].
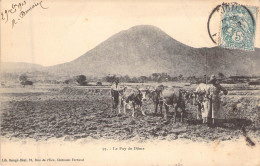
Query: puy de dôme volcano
[145, 49]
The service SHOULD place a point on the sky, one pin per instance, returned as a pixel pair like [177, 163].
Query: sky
[59, 31]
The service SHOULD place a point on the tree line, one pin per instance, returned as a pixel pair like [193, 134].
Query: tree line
[83, 80]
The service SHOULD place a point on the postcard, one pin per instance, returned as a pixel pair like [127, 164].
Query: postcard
[113, 82]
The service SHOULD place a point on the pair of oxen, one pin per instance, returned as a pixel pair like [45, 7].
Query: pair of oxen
[161, 97]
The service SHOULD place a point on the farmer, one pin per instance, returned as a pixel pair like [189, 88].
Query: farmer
[117, 93]
[115, 85]
[212, 102]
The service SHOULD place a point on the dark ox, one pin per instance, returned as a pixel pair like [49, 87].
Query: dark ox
[154, 96]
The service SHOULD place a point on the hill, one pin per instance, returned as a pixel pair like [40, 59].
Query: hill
[20, 67]
[145, 49]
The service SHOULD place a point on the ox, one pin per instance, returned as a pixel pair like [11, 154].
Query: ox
[168, 97]
[132, 97]
[173, 97]
[127, 97]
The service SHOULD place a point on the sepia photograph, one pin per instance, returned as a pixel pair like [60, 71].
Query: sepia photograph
[113, 82]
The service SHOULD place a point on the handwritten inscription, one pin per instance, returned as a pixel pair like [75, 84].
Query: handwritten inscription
[18, 11]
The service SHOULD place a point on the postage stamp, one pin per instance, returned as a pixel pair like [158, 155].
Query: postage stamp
[238, 26]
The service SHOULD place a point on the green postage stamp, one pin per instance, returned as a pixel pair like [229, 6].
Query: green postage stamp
[238, 26]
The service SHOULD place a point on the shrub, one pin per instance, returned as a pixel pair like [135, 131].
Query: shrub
[99, 84]
[26, 83]
[81, 80]
[23, 78]
[67, 81]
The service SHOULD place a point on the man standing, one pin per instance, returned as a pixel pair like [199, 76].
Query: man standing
[213, 95]
[115, 94]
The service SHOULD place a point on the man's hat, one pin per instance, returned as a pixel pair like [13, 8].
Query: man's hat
[212, 79]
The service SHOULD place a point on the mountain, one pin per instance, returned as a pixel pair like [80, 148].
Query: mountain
[20, 67]
[145, 49]
[140, 50]
[232, 62]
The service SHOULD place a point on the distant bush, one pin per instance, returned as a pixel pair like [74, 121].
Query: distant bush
[23, 78]
[81, 80]
[67, 81]
[112, 78]
[84, 83]
[99, 84]
[26, 83]
[227, 81]
[254, 83]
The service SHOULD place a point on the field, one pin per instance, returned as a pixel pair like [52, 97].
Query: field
[42, 112]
